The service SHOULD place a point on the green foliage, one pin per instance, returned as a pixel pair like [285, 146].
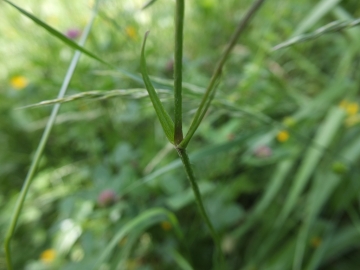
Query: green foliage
[275, 157]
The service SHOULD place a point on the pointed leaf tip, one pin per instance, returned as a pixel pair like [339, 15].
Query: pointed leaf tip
[164, 118]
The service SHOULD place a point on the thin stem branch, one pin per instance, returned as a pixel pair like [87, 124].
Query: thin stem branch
[41, 146]
[204, 105]
[178, 55]
[332, 27]
[189, 171]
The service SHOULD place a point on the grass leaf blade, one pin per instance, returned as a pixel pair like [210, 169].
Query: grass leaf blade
[148, 4]
[325, 134]
[165, 119]
[57, 34]
[141, 222]
[36, 159]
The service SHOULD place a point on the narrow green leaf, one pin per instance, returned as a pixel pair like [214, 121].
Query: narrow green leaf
[125, 252]
[325, 134]
[215, 78]
[275, 183]
[335, 26]
[44, 138]
[344, 238]
[180, 260]
[141, 222]
[165, 119]
[268, 249]
[317, 198]
[320, 194]
[319, 255]
[201, 111]
[131, 93]
[343, 15]
[57, 34]
[320, 10]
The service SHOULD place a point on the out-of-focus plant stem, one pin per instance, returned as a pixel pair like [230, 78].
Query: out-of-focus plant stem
[41, 146]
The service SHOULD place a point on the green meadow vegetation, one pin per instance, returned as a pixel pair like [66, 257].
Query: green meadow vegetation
[146, 135]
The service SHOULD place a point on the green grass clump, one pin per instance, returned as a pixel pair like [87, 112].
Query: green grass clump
[263, 115]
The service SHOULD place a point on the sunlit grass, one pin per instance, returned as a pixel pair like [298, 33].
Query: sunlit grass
[275, 157]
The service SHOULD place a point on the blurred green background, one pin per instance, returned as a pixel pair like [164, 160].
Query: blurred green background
[277, 156]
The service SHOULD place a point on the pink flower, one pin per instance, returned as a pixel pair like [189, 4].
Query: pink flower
[107, 198]
[263, 151]
[73, 33]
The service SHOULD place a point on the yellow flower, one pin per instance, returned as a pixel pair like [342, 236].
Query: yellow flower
[48, 256]
[282, 136]
[352, 108]
[166, 225]
[131, 32]
[18, 82]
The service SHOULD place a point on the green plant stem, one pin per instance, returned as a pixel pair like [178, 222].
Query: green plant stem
[206, 100]
[189, 171]
[41, 146]
[178, 56]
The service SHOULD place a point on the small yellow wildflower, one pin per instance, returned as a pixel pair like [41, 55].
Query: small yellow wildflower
[282, 136]
[166, 225]
[18, 82]
[48, 256]
[131, 32]
[352, 108]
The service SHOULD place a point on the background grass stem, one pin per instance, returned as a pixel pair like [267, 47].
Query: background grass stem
[41, 146]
